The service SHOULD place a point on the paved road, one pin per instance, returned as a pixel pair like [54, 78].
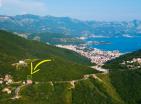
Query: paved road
[105, 71]
[100, 69]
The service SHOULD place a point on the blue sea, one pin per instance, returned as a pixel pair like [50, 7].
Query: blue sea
[123, 44]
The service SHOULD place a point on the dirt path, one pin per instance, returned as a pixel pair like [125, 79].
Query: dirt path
[17, 91]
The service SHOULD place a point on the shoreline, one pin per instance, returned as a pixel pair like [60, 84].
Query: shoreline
[95, 55]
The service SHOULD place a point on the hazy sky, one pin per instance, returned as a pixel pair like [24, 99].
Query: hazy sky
[81, 9]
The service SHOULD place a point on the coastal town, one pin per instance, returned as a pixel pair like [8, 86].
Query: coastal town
[96, 56]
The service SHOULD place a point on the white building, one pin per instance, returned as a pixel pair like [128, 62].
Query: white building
[7, 90]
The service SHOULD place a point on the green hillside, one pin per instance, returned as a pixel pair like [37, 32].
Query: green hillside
[65, 64]
[60, 81]
[90, 91]
[67, 79]
[55, 38]
[127, 82]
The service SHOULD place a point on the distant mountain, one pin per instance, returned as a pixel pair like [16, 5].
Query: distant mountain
[54, 38]
[68, 26]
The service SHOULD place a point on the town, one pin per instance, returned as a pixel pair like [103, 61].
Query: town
[96, 56]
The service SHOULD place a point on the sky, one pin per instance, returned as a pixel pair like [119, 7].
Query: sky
[102, 10]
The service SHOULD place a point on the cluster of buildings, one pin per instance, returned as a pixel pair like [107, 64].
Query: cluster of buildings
[137, 60]
[7, 80]
[135, 63]
[95, 55]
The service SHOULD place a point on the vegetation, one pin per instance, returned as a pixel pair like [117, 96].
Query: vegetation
[55, 38]
[126, 82]
[53, 84]
[90, 91]
[65, 64]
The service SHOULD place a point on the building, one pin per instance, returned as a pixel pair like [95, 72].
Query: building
[7, 77]
[1, 80]
[7, 90]
[29, 81]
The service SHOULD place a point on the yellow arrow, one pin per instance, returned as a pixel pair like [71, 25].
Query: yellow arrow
[33, 71]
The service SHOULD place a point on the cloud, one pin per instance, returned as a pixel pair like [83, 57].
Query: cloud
[24, 6]
[0, 3]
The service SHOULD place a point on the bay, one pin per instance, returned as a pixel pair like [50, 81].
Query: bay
[123, 44]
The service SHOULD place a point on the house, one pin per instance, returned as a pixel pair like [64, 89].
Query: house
[7, 77]
[139, 60]
[1, 81]
[29, 81]
[9, 81]
[20, 64]
[24, 82]
[7, 90]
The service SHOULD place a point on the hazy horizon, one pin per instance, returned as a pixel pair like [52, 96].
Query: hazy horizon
[96, 10]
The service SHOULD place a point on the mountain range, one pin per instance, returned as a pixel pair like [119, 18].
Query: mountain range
[64, 25]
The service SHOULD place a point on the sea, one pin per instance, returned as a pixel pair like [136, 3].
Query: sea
[123, 44]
